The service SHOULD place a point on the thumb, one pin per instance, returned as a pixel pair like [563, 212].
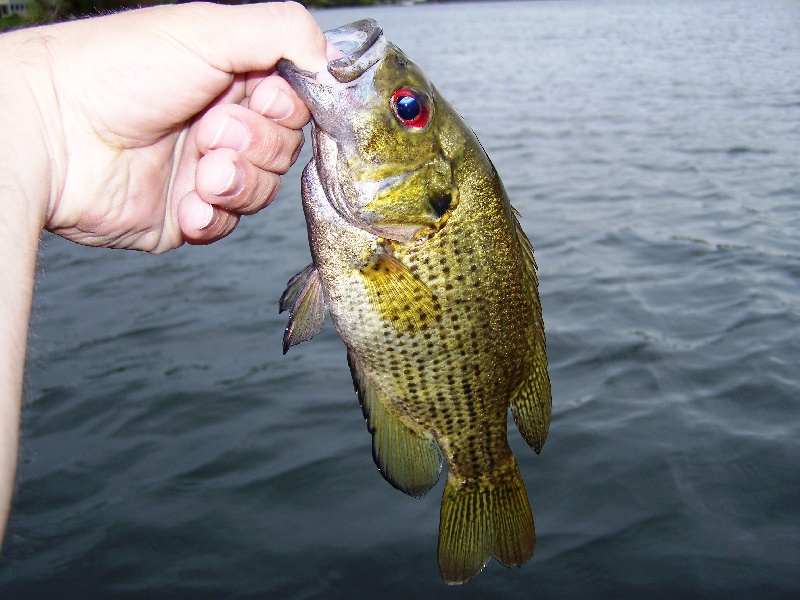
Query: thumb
[251, 37]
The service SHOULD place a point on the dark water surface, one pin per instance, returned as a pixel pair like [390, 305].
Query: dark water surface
[653, 148]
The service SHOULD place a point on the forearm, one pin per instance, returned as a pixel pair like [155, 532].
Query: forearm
[24, 193]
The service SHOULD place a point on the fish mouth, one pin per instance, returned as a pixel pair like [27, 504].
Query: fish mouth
[358, 43]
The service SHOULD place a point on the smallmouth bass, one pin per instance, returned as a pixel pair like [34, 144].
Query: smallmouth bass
[431, 284]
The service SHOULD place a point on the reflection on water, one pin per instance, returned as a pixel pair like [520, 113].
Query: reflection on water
[170, 450]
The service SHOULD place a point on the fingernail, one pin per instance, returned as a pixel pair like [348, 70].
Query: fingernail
[232, 133]
[296, 153]
[231, 183]
[210, 216]
[277, 106]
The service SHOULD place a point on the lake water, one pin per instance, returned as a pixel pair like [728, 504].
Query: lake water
[169, 450]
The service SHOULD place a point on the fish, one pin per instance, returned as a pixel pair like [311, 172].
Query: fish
[419, 258]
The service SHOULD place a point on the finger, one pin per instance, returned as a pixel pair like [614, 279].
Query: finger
[276, 100]
[224, 179]
[261, 141]
[253, 37]
[202, 223]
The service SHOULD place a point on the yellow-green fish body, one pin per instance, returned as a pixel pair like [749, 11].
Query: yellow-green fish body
[431, 283]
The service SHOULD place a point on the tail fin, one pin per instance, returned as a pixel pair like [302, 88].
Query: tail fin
[481, 519]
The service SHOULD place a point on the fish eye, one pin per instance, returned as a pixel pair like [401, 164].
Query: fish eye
[411, 108]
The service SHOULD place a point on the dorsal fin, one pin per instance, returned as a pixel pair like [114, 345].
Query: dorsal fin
[407, 456]
[304, 300]
[532, 402]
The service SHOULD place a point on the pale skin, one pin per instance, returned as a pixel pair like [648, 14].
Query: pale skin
[140, 130]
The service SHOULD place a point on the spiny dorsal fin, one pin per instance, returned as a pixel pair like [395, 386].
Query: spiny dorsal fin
[532, 402]
[402, 299]
[407, 456]
[304, 300]
[527, 251]
[481, 519]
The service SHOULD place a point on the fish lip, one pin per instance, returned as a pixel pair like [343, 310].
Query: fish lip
[355, 62]
[355, 40]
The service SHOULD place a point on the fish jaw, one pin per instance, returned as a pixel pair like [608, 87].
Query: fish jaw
[347, 81]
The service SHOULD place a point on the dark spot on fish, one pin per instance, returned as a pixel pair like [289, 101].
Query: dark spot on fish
[440, 203]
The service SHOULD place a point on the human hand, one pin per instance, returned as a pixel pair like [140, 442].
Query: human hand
[163, 125]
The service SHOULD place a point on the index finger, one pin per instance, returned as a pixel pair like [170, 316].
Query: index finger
[276, 100]
[250, 37]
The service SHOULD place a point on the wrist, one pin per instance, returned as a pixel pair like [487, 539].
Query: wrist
[28, 121]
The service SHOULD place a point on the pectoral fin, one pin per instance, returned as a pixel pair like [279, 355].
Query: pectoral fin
[402, 299]
[407, 456]
[304, 300]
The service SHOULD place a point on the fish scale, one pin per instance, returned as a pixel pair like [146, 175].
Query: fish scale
[430, 281]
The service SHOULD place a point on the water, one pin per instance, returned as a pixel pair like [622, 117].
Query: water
[653, 149]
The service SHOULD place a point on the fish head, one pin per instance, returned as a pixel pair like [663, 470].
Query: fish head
[377, 132]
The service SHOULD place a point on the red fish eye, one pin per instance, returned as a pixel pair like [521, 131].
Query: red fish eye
[410, 109]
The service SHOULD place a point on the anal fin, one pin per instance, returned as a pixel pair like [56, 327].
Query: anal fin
[407, 456]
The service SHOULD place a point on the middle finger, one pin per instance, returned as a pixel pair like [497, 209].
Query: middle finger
[259, 140]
